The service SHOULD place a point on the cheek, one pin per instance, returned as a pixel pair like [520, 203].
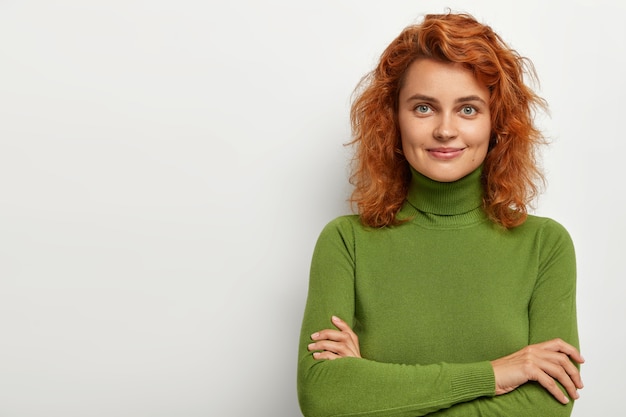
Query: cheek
[480, 151]
[481, 136]
[480, 141]
[411, 143]
[481, 154]
[404, 131]
[412, 134]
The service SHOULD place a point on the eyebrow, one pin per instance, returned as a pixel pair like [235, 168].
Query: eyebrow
[422, 97]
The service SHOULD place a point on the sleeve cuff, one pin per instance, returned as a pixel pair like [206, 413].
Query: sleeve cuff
[474, 380]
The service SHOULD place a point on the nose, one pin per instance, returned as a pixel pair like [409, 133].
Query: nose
[445, 129]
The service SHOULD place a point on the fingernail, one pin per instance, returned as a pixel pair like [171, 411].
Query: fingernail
[316, 354]
[566, 400]
[335, 318]
[314, 335]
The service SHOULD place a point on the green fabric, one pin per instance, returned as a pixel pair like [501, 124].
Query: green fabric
[433, 301]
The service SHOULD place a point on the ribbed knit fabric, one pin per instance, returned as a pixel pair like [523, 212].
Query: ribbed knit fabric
[433, 301]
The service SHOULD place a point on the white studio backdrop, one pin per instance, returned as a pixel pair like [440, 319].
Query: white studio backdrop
[166, 167]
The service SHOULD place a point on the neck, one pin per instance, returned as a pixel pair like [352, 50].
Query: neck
[446, 198]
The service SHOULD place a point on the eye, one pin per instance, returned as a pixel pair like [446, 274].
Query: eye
[422, 109]
[468, 111]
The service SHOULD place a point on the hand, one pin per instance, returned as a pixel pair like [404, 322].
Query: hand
[334, 344]
[545, 363]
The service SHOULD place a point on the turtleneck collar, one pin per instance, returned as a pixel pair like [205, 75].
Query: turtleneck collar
[446, 198]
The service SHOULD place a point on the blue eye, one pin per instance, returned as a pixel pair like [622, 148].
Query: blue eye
[422, 108]
[468, 111]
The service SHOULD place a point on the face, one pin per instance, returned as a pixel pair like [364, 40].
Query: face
[444, 120]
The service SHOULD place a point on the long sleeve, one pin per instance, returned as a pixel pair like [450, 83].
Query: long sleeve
[434, 301]
[552, 314]
[362, 387]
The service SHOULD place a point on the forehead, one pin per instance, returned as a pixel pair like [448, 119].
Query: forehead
[437, 78]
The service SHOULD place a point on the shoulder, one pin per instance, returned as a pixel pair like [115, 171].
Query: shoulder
[551, 238]
[348, 230]
[342, 226]
[546, 227]
[349, 220]
[337, 238]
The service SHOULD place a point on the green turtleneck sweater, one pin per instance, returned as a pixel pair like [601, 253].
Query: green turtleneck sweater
[433, 301]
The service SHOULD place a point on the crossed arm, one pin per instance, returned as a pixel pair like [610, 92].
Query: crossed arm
[545, 363]
[538, 379]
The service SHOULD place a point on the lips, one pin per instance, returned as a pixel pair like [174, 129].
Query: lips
[445, 153]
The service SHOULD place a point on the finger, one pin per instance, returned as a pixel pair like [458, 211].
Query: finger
[559, 345]
[571, 372]
[560, 373]
[556, 365]
[341, 349]
[548, 383]
[325, 355]
[345, 328]
[340, 324]
[329, 334]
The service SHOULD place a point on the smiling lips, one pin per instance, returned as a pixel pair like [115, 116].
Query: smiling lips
[445, 153]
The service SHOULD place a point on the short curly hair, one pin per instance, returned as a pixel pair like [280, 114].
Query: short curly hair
[381, 174]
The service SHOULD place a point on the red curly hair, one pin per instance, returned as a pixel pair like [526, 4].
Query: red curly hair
[380, 172]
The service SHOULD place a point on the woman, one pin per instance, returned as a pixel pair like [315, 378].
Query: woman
[442, 294]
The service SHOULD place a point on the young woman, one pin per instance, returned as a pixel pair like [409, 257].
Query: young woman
[442, 296]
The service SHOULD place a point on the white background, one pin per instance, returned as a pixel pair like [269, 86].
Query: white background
[166, 166]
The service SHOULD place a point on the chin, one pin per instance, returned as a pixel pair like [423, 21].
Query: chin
[448, 176]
